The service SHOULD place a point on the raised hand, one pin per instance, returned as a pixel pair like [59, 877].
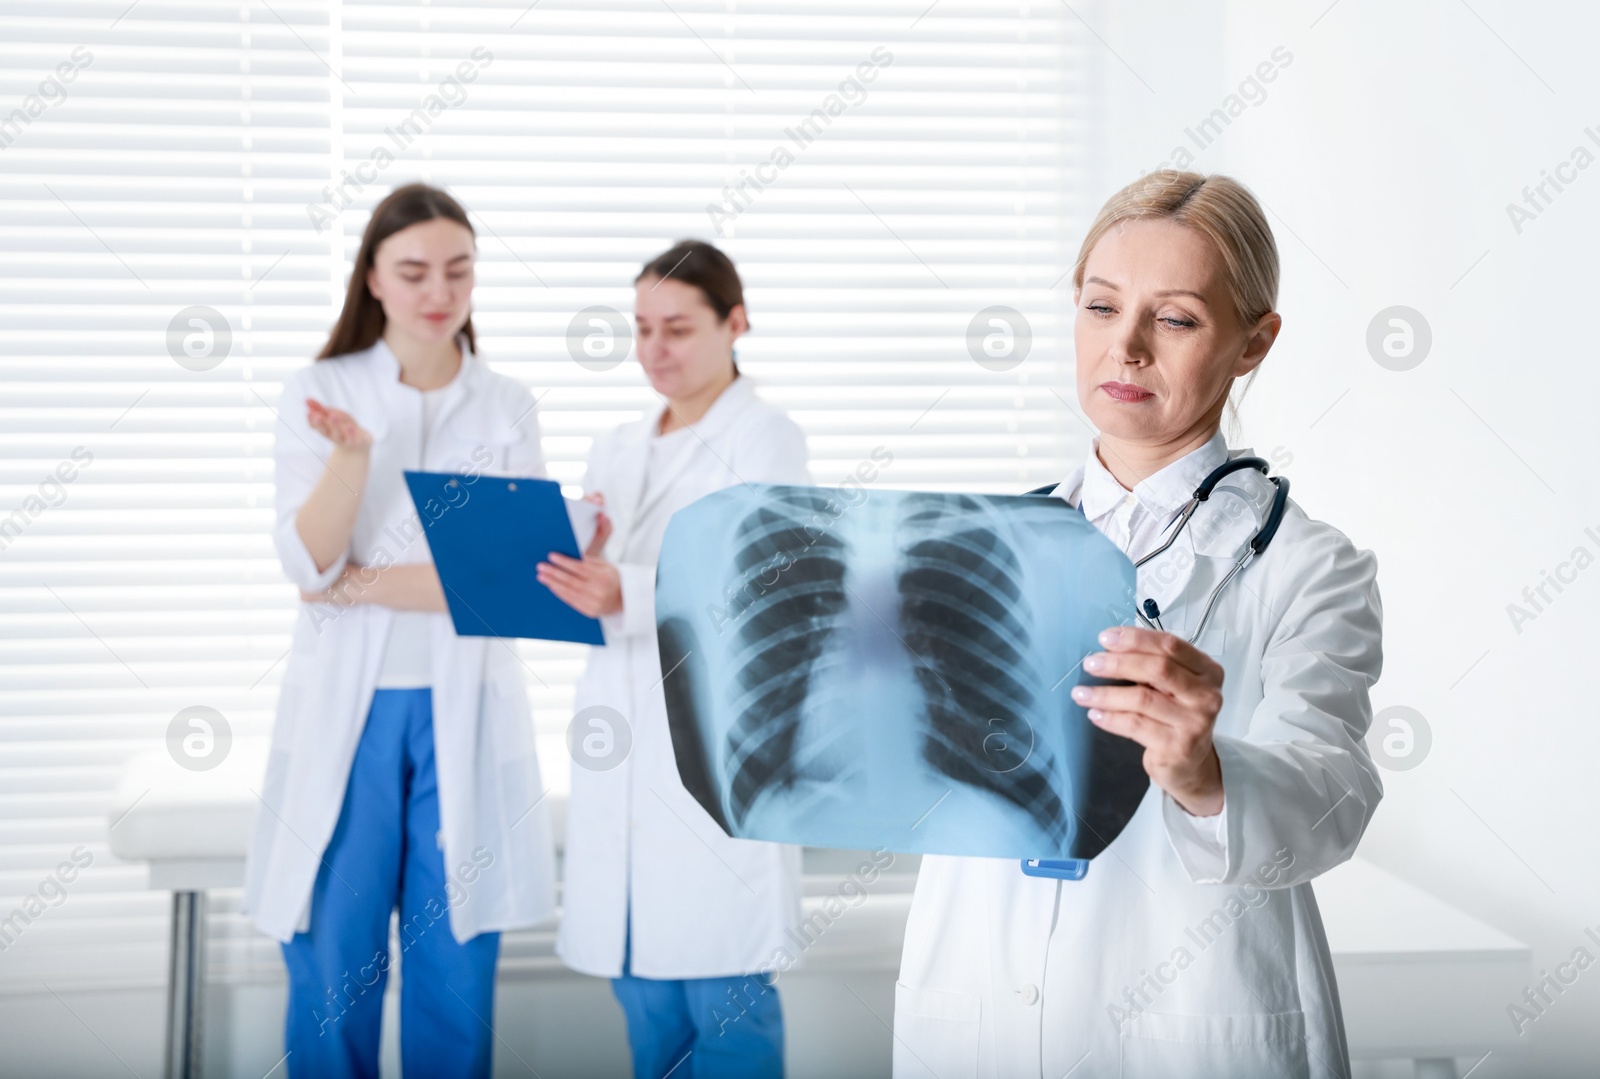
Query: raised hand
[337, 426]
[590, 585]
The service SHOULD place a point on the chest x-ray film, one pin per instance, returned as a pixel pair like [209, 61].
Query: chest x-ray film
[863, 669]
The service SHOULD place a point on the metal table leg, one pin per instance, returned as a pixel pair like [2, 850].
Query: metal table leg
[186, 975]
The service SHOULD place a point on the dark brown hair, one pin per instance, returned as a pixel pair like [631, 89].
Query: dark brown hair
[362, 321]
[697, 263]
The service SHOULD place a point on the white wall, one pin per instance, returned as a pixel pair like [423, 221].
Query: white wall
[1387, 151]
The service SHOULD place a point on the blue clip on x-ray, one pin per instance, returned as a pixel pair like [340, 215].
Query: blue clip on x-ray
[1058, 869]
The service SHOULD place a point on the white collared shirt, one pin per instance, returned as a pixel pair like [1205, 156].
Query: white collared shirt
[1136, 522]
[406, 663]
[406, 655]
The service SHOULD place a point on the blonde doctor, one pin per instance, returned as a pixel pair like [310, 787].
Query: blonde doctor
[656, 897]
[1193, 947]
[402, 771]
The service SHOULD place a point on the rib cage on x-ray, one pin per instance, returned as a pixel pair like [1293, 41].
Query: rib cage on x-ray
[964, 615]
[782, 638]
[837, 663]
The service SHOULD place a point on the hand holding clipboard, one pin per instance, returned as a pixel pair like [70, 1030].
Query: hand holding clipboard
[488, 535]
[589, 585]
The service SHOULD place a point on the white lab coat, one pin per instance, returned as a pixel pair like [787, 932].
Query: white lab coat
[488, 770]
[1172, 959]
[703, 904]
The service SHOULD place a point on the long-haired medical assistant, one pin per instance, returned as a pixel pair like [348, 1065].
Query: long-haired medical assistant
[402, 770]
[656, 896]
[1193, 947]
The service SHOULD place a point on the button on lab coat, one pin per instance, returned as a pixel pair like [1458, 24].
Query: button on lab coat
[703, 905]
[490, 806]
[1175, 957]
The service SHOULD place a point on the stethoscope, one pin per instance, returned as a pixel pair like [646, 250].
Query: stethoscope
[1150, 614]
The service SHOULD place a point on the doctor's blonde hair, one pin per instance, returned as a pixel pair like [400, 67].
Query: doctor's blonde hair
[1222, 210]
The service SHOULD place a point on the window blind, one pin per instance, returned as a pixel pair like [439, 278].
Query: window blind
[901, 186]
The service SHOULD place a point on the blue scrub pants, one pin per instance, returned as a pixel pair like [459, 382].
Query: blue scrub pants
[385, 851]
[701, 1028]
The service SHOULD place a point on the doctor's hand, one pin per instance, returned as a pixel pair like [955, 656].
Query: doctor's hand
[337, 426]
[1170, 710]
[590, 585]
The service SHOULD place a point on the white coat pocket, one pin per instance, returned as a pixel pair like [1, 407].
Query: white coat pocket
[1214, 642]
[936, 1033]
[1260, 1046]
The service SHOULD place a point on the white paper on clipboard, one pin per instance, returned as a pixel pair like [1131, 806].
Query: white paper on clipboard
[584, 517]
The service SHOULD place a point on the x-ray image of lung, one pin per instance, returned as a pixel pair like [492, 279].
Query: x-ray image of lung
[864, 668]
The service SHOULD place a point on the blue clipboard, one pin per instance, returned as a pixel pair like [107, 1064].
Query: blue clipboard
[487, 535]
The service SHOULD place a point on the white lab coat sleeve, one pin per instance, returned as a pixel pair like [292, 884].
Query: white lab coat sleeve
[638, 614]
[299, 457]
[1300, 786]
[1201, 843]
